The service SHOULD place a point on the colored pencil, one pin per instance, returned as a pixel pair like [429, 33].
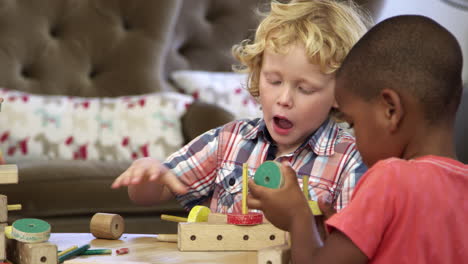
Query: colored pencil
[73, 253]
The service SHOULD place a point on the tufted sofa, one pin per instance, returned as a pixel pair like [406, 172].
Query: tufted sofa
[111, 48]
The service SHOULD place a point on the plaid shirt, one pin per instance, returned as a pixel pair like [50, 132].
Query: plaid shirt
[211, 165]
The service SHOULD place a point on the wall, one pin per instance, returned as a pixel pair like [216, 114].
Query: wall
[453, 18]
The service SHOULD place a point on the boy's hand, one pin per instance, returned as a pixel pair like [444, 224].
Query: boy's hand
[280, 206]
[326, 206]
[146, 170]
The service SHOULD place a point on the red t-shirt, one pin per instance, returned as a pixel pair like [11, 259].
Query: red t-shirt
[409, 212]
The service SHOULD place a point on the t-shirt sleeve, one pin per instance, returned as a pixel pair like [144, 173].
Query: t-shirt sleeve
[195, 164]
[370, 211]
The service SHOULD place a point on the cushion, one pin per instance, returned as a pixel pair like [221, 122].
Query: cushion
[77, 128]
[225, 89]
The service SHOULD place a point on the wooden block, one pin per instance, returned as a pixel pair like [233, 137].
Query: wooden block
[32, 253]
[107, 226]
[225, 237]
[3, 208]
[8, 173]
[2, 242]
[167, 238]
[217, 218]
[280, 254]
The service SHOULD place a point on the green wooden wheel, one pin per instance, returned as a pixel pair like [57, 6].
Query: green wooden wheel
[269, 175]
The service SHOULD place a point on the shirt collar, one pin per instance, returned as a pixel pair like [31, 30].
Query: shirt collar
[322, 141]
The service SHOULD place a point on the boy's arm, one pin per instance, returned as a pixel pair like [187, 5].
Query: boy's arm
[294, 215]
[195, 165]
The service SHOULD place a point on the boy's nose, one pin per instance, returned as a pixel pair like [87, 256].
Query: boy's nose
[285, 97]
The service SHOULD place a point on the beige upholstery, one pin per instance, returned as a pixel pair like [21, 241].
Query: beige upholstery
[96, 48]
[85, 47]
[208, 29]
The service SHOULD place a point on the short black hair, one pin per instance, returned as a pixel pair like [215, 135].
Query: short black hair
[410, 54]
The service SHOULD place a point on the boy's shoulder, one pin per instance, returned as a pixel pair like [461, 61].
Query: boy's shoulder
[426, 169]
[343, 139]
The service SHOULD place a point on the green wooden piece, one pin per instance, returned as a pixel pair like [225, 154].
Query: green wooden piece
[30, 230]
[73, 253]
[269, 175]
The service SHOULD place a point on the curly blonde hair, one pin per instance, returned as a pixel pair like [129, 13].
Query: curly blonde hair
[328, 29]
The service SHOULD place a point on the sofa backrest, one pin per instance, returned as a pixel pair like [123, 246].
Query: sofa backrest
[85, 47]
[206, 31]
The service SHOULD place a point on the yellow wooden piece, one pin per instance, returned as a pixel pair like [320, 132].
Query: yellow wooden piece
[305, 186]
[199, 213]
[8, 232]
[245, 178]
[173, 218]
[66, 251]
[14, 207]
[315, 208]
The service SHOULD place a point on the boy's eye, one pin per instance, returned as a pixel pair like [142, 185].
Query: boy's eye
[306, 90]
[274, 82]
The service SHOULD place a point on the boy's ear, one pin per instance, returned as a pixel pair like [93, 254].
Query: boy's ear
[393, 108]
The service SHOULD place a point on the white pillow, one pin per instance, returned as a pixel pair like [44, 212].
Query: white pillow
[225, 89]
[77, 128]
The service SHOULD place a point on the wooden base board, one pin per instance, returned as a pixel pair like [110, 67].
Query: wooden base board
[31, 253]
[225, 237]
[280, 254]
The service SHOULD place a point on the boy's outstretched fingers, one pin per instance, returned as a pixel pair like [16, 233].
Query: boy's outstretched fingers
[173, 183]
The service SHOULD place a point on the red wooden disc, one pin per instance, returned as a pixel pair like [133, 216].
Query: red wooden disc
[122, 251]
[245, 219]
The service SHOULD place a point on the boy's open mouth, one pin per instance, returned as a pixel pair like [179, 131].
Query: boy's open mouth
[282, 122]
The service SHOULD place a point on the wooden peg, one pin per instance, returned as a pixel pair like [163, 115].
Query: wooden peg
[199, 213]
[107, 226]
[245, 190]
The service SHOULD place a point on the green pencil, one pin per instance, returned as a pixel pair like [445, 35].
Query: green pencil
[97, 252]
[73, 253]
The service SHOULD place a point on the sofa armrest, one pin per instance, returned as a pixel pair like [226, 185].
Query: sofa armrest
[201, 117]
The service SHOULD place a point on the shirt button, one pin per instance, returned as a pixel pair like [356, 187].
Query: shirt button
[232, 181]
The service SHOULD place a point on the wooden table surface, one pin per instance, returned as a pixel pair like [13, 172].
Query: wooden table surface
[144, 249]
